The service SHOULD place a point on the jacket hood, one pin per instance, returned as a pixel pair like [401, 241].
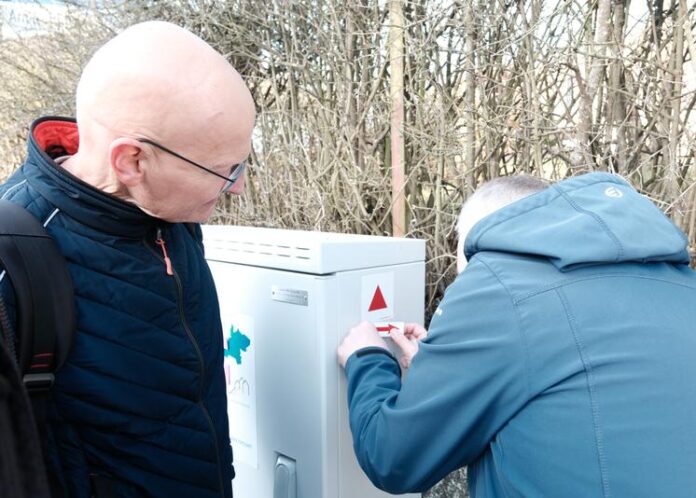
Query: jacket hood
[597, 218]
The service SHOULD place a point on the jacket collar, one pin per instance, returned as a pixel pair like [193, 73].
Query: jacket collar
[51, 137]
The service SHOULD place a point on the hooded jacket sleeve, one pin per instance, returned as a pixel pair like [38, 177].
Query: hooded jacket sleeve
[467, 380]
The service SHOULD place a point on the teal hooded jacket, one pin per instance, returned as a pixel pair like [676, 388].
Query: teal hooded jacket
[560, 363]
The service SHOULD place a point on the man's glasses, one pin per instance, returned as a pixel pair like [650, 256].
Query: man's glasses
[236, 171]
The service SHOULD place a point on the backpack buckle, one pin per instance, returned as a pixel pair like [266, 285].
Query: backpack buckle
[38, 382]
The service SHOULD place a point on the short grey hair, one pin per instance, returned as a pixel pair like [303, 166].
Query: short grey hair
[494, 195]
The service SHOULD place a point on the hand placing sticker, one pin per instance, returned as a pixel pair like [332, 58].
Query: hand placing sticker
[407, 338]
[363, 335]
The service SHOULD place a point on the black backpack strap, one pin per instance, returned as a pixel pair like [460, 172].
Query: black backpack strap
[44, 295]
[22, 472]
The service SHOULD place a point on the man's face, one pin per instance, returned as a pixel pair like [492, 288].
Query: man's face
[177, 191]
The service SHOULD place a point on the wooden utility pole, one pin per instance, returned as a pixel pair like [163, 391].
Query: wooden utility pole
[469, 181]
[596, 66]
[396, 63]
[677, 86]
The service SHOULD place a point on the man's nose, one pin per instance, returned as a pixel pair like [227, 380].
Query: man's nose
[238, 187]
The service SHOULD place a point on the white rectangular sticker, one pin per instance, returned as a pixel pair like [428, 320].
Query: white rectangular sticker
[240, 378]
[383, 328]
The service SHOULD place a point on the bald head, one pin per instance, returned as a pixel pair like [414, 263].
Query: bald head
[488, 198]
[160, 82]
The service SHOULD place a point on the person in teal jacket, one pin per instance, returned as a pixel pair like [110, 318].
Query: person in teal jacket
[560, 363]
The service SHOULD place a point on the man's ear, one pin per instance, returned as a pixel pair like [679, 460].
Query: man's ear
[125, 156]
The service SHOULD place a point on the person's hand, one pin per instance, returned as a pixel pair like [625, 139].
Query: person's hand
[361, 336]
[408, 341]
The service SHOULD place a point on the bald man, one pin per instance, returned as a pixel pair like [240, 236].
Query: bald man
[163, 128]
[559, 363]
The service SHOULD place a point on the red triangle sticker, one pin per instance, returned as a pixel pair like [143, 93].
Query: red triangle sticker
[378, 302]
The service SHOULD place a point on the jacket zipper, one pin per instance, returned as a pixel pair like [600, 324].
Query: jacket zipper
[159, 240]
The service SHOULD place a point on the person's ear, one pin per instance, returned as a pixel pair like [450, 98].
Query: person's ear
[125, 156]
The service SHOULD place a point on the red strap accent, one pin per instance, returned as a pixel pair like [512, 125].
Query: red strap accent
[46, 358]
[63, 133]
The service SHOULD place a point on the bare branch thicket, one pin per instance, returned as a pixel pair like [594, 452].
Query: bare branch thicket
[490, 88]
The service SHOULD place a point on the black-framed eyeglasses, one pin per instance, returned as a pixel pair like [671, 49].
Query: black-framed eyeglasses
[236, 170]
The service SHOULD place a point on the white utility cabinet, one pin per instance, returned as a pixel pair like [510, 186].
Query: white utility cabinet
[287, 299]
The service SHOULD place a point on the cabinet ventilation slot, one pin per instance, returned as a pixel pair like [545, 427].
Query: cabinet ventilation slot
[260, 248]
